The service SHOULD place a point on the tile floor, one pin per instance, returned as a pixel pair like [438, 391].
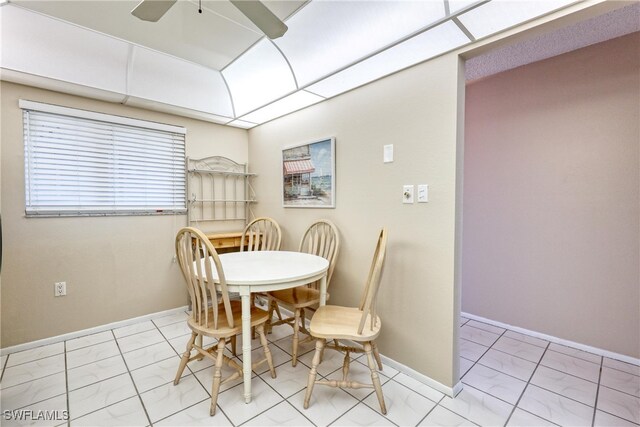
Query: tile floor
[124, 377]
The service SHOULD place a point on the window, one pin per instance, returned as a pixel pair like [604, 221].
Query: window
[84, 163]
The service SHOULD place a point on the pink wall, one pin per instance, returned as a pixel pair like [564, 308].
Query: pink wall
[551, 228]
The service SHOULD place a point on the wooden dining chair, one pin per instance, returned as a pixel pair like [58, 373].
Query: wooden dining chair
[322, 239]
[261, 234]
[213, 314]
[360, 324]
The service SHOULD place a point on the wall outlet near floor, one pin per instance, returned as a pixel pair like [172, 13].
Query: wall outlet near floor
[59, 289]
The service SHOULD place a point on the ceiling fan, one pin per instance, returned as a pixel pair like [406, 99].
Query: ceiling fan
[258, 13]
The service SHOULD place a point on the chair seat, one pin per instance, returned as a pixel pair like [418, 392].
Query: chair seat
[258, 316]
[336, 322]
[302, 296]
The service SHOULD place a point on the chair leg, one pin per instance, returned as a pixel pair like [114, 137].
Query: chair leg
[267, 352]
[374, 376]
[277, 308]
[296, 338]
[320, 342]
[271, 308]
[234, 348]
[217, 376]
[185, 358]
[376, 354]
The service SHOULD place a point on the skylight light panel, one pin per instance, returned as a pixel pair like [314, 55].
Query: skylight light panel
[242, 124]
[289, 104]
[325, 36]
[257, 77]
[456, 5]
[498, 15]
[431, 43]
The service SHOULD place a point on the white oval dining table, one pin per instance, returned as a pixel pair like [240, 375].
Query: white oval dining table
[264, 271]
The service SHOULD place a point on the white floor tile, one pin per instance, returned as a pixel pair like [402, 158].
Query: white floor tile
[126, 413]
[326, 405]
[196, 415]
[495, 383]
[88, 340]
[486, 327]
[91, 354]
[143, 339]
[565, 385]
[34, 391]
[479, 336]
[283, 414]
[463, 321]
[571, 365]
[278, 356]
[57, 411]
[404, 406]
[508, 364]
[620, 381]
[520, 349]
[362, 415]
[172, 318]
[465, 365]
[279, 332]
[205, 376]
[34, 354]
[147, 355]
[233, 403]
[175, 330]
[607, 420]
[521, 418]
[415, 385]
[30, 371]
[622, 366]
[99, 395]
[331, 361]
[589, 357]
[538, 342]
[441, 416]
[289, 380]
[157, 374]
[555, 408]
[478, 407]
[169, 399]
[471, 351]
[95, 372]
[619, 404]
[286, 344]
[358, 373]
[136, 328]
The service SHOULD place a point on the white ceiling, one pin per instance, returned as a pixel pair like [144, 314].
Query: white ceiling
[217, 66]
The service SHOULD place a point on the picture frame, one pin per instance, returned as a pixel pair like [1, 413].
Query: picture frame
[309, 174]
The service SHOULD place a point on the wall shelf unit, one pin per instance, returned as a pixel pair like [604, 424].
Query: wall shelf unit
[218, 189]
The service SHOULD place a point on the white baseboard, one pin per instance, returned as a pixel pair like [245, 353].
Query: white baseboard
[561, 341]
[76, 334]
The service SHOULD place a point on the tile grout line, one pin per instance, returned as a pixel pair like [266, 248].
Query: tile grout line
[4, 366]
[144, 408]
[527, 386]
[595, 403]
[482, 355]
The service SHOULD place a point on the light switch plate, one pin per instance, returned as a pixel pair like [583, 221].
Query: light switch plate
[423, 193]
[387, 156]
[407, 194]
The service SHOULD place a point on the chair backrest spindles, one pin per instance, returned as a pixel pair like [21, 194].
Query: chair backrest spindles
[322, 239]
[370, 295]
[199, 262]
[261, 234]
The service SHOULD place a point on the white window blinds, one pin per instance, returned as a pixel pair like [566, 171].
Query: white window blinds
[83, 163]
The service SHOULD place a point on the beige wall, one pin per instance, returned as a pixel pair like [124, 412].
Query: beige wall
[416, 110]
[551, 197]
[115, 267]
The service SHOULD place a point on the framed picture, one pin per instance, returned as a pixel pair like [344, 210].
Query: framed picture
[308, 175]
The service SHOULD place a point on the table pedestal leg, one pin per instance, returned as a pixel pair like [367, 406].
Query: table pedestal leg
[246, 345]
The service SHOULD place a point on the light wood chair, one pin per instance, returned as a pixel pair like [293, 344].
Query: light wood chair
[213, 314]
[360, 324]
[322, 239]
[261, 234]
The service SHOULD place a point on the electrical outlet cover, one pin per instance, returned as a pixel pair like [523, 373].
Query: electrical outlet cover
[407, 194]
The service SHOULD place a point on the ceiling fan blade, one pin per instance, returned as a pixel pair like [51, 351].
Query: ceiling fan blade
[152, 10]
[262, 17]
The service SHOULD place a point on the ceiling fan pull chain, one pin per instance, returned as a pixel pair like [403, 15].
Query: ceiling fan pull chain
[200, 6]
